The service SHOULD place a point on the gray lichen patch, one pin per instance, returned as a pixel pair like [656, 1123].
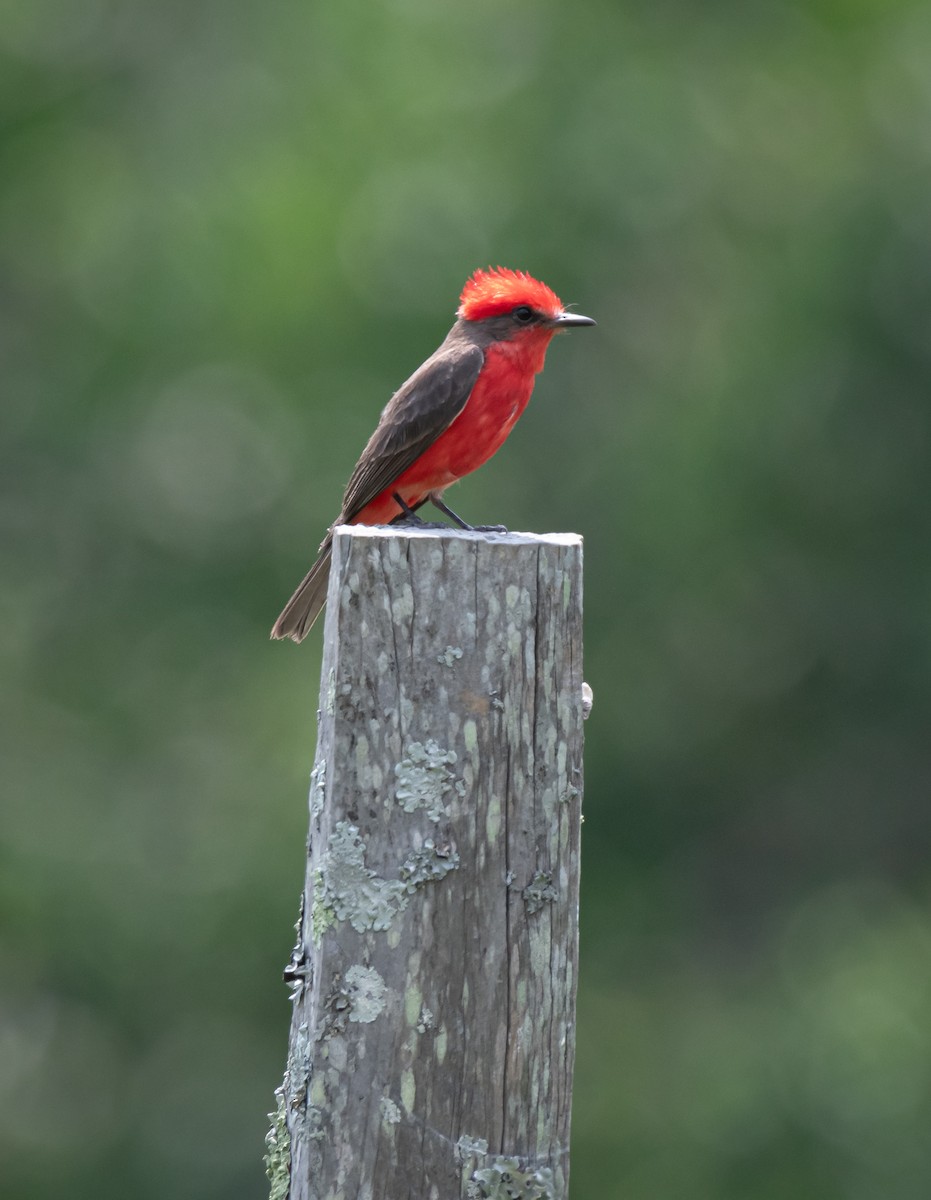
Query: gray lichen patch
[539, 891]
[351, 891]
[317, 790]
[449, 656]
[291, 1097]
[368, 994]
[390, 1113]
[505, 1179]
[424, 778]
[502, 1177]
[345, 889]
[322, 915]
[278, 1149]
[469, 1147]
[428, 865]
[297, 1075]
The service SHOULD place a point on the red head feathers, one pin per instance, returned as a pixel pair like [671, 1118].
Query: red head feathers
[497, 291]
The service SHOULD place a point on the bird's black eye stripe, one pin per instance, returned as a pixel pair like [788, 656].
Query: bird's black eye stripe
[524, 314]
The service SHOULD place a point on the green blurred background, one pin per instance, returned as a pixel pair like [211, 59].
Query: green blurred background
[227, 232]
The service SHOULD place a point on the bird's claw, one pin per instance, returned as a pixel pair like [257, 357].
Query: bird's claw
[489, 528]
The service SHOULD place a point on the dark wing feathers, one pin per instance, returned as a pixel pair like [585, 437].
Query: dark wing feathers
[414, 417]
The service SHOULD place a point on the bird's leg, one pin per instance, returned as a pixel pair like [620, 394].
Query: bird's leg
[444, 508]
[409, 517]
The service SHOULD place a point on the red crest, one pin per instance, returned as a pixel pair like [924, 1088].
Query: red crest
[497, 291]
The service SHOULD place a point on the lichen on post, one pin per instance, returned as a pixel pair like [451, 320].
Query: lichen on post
[432, 1039]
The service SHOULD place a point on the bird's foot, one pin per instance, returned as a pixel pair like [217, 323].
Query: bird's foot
[412, 521]
[444, 508]
[407, 517]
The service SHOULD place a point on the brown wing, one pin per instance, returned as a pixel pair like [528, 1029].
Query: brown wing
[415, 416]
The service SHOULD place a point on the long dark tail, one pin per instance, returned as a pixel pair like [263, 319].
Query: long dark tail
[304, 606]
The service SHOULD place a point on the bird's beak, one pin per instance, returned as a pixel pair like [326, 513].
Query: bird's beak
[566, 320]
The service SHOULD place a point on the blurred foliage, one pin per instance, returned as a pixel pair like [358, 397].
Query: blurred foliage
[227, 233]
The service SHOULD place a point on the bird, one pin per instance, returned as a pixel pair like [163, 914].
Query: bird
[447, 419]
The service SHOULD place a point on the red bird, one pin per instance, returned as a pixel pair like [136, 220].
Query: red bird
[451, 416]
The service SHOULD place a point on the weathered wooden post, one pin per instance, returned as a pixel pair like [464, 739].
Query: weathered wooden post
[432, 1041]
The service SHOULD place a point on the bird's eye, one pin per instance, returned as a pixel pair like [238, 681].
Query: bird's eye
[524, 314]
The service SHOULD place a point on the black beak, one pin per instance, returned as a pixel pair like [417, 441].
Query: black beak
[566, 320]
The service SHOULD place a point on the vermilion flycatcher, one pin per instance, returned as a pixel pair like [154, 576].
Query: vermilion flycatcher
[451, 416]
